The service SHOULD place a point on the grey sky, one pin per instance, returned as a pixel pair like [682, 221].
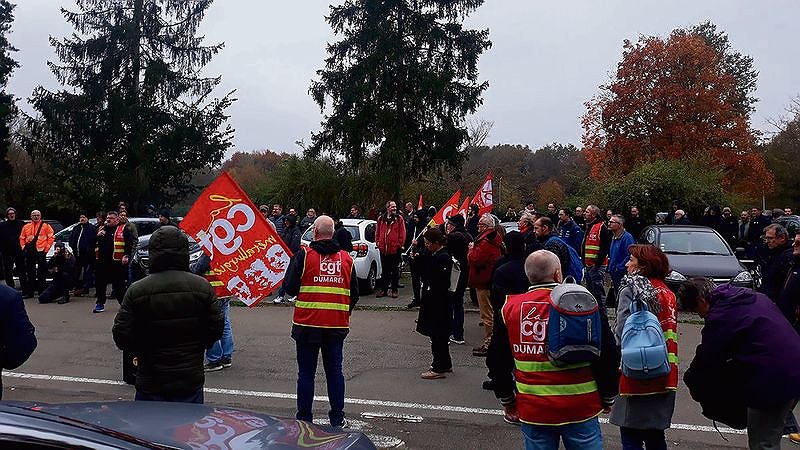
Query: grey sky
[547, 59]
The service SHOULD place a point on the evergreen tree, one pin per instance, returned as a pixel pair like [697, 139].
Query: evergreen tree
[8, 110]
[136, 122]
[399, 85]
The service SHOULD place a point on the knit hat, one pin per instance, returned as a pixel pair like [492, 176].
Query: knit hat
[456, 220]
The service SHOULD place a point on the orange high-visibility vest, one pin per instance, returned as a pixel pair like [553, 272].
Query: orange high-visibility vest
[546, 394]
[669, 324]
[324, 298]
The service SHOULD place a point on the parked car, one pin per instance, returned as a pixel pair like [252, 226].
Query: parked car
[161, 425]
[695, 251]
[366, 258]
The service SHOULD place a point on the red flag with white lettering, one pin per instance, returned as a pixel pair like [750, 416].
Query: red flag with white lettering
[448, 209]
[247, 255]
[464, 210]
[483, 198]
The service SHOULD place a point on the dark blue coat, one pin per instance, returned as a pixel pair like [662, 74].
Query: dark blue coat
[82, 240]
[17, 339]
[572, 234]
[747, 340]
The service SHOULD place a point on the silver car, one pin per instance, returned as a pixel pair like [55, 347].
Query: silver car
[366, 258]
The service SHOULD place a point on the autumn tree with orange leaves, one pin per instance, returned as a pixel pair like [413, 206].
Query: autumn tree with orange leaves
[674, 99]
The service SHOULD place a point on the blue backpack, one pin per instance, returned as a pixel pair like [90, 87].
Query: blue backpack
[644, 350]
[575, 263]
[573, 328]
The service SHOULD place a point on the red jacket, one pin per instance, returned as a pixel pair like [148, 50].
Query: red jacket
[482, 257]
[390, 237]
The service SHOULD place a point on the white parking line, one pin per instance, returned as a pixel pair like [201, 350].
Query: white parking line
[354, 401]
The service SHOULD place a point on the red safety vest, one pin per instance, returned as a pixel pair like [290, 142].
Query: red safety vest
[668, 317]
[119, 243]
[546, 394]
[324, 298]
[591, 246]
[219, 287]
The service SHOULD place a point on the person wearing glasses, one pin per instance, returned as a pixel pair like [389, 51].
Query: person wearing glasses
[618, 253]
[774, 260]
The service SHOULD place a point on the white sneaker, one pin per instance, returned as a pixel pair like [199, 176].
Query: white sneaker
[277, 300]
[291, 299]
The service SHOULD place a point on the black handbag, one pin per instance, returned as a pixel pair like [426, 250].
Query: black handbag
[30, 247]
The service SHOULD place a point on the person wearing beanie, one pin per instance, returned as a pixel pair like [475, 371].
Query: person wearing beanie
[164, 218]
[10, 229]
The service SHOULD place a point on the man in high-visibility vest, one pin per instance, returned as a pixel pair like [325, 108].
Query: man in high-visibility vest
[115, 247]
[596, 244]
[324, 280]
[553, 403]
[35, 240]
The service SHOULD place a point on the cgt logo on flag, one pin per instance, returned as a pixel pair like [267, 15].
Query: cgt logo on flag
[246, 253]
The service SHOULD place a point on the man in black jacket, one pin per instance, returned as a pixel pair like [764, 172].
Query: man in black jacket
[62, 270]
[789, 298]
[10, 230]
[82, 241]
[458, 241]
[774, 260]
[729, 227]
[115, 247]
[17, 339]
[168, 320]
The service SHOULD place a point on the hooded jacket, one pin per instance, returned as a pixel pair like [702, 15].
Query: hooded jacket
[747, 341]
[168, 319]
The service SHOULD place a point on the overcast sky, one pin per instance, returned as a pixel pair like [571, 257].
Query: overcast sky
[546, 60]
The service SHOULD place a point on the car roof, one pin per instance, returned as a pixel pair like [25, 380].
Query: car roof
[354, 222]
[177, 425]
[682, 228]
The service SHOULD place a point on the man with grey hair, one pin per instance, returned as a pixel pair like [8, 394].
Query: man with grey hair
[774, 260]
[481, 257]
[618, 253]
[596, 244]
[552, 404]
[323, 278]
[35, 240]
[680, 218]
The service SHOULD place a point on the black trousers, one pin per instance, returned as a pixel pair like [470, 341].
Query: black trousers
[35, 272]
[10, 260]
[112, 272]
[416, 280]
[441, 354]
[390, 271]
[59, 287]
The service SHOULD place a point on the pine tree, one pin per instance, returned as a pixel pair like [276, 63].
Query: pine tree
[8, 109]
[136, 121]
[398, 86]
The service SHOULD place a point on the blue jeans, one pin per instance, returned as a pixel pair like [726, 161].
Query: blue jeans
[594, 283]
[307, 355]
[223, 348]
[194, 397]
[579, 436]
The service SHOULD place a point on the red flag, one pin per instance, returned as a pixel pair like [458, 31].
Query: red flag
[247, 255]
[483, 198]
[447, 209]
[464, 209]
[419, 203]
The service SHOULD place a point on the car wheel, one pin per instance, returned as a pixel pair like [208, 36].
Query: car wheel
[368, 284]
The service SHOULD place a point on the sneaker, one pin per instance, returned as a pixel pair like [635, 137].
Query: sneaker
[277, 300]
[794, 437]
[511, 414]
[393, 294]
[292, 299]
[380, 293]
[344, 424]
[412, 305]
[458, 341]
[98, 308]
[226, 363]
[431, 375]
[480, 351]
[213, 366]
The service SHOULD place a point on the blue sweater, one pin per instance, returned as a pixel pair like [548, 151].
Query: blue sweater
[618, 253]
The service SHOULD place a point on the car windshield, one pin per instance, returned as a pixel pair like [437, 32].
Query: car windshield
[692, 243]
[309, 234]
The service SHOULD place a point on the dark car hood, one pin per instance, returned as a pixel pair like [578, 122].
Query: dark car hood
[711, 266]
[186, 425]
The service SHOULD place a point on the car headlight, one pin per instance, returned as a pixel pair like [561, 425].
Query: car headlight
[743, 278]
[676, 277]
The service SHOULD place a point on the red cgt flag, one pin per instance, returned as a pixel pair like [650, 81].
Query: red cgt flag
[247, 255]
[483, 198]
[464, 210]
[448, 209]
[419, 203]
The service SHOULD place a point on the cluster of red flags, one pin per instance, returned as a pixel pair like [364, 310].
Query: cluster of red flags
[482, 198]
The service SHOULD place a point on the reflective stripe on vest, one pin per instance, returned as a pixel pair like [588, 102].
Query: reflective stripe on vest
[324, 297]
[119, 243]
[219, 287]
[546, 394]
[592, 244]
[669, 324]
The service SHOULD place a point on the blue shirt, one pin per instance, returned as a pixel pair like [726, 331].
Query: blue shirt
[618, 253]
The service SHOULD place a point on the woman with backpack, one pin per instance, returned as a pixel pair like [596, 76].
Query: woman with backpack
[644, 407]
[436, 310]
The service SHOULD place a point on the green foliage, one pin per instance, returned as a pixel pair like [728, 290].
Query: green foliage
[8, 110]
[781, 153]
[653, 186]
[136, 121]
[397, 87]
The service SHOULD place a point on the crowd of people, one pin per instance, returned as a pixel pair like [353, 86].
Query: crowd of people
[511, 277]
